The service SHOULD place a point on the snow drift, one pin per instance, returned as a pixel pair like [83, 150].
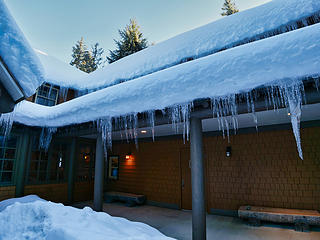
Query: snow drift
[43, 220]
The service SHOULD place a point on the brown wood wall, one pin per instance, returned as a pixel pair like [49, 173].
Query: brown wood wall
[264, 169]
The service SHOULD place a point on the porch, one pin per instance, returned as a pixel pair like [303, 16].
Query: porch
[177, 224]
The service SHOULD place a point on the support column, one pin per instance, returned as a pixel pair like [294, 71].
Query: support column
[98, 175]
[23, 150]
[72, 151]
[197, 181]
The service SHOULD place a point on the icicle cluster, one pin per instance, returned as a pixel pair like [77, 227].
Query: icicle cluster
[6, 122]
[45, 137]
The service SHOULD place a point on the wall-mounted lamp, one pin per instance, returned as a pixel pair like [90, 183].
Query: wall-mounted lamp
[86, 157]
[143, 131]
[128, 156]
[228, 151]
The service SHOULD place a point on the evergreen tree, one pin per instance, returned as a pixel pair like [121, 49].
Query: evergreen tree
[97, 53]
[82, 58]
[131, 41]
[229, 8]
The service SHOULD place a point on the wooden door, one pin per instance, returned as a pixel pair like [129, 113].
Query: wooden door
[186, 201]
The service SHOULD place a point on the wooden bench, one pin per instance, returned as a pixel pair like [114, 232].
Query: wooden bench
[130, 198]
[302, 219]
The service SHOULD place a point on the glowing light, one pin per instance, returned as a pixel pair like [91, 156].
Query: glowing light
[143, 131]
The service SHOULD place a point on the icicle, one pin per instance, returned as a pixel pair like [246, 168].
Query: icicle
[151, 116]
[64, 93]
[105, 126]
[293, 97]
[6, 122]
[316, 82]
[225, 109]
[185, 112]
[46, 137]
[135, 129]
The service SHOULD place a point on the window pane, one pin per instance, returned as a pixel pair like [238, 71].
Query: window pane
[10, 153]
[43, 166]
[32, 177]
[2, 150]
[6, 177]
[42, 176]
[12, 142]
[34, 166]
[7, 165]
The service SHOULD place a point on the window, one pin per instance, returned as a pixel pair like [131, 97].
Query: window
[58, 163]
[7, 159]
[47, 166]
[113, 172]
[85, 163]
[47, 95]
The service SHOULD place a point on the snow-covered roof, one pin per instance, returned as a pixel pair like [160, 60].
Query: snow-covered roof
[60, 73]
[275, 61]
[272, 18]
[17, 54]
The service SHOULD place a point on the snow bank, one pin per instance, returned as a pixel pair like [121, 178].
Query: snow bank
[44, 220]
[18, 55]
[276, 61]
[26, 199]
[263, 21]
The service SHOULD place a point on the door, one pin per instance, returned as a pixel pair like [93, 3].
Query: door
[186, 201]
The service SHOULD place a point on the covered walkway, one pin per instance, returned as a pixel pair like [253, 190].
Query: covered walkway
[177, 224]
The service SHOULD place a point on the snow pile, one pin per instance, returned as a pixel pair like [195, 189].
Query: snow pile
[18, 55]
[26, 199]
[44, 220]
[263, 21]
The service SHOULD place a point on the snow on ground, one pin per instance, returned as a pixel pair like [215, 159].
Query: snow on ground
[18, 55]
[262, 21]
[276, 61]
[43, 220]
[26, 199]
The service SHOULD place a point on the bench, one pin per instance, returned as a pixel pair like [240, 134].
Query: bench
[130, 198]
[302, 219]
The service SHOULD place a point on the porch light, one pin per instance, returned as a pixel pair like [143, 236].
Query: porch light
[128, 156]
[228, 151]
[143, 131]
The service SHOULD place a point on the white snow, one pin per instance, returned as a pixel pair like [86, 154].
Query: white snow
[60, 73]
[43, 220]
[278, 61]
[26, 199]
[18, 55]
[226, 32]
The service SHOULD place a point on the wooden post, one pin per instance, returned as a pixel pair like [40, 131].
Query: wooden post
[23, 149]
[197, 181]
[98, 175]
[72, 151]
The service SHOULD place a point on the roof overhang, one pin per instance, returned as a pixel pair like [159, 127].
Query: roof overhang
[11, 92]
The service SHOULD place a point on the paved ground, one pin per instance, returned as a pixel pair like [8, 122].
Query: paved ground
[177, 224]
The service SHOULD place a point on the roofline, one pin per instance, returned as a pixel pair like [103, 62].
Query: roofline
[202, 109]
[10, 83]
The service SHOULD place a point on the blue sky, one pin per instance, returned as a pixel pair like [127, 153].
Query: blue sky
[54, 26]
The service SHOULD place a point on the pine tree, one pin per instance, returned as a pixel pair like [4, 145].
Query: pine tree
[82, 58]
[229, 8]
[97, 53]
[131, 41]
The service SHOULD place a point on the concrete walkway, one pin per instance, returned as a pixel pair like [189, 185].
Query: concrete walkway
[177, 224]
